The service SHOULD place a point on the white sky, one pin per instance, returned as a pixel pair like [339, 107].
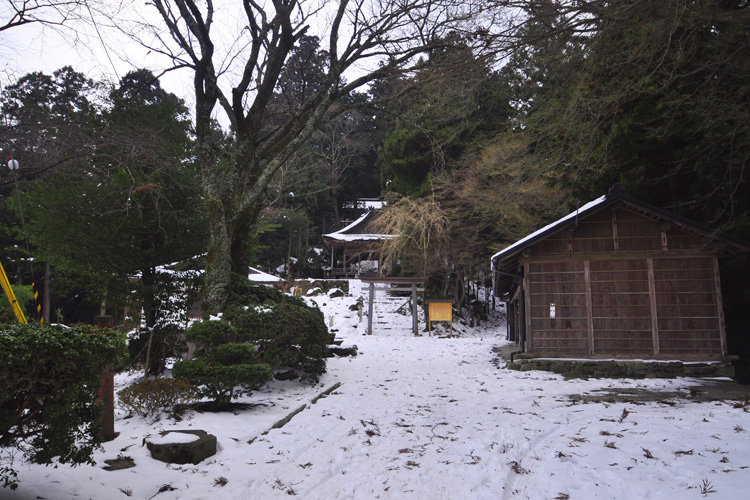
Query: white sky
[29, 48]
[102, 54]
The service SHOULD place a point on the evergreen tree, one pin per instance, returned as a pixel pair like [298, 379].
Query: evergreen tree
[658, 101]
[452, 104]
[130, 205]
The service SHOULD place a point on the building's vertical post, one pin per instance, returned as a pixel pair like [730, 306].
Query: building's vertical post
[653, 305]
[370, 308]
[528, 334]
[333, 261]
[615, 234]
[720, 308]
[589, 304]
[414, 324]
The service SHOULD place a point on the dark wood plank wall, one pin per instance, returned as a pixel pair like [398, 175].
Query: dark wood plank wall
[615, 300]
[621, 307]
[687, 306]
[558, 285]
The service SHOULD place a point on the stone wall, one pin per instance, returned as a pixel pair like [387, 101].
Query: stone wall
[324, 286]
[631, 369]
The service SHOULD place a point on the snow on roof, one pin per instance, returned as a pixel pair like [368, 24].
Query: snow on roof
[359, 237]
[350, 226]
[343, 234]
[259, 276]
[549, 227]
[366, 203]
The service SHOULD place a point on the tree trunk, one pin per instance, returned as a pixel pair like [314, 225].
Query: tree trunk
[336, 214]
[289, 260]
[218, 262]
[148, 280]
[46, 294]
[460, 294]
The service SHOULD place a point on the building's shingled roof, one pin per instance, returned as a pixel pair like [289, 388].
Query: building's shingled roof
[505, 261]
[362, 229]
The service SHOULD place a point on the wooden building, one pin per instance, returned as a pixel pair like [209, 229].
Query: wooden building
[358, 241]
[617, 278]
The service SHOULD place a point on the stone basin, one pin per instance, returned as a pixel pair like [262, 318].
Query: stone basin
[183, 449]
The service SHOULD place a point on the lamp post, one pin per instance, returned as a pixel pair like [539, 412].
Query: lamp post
[13, 166]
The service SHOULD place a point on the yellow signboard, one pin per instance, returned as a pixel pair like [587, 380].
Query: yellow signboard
[439, 310]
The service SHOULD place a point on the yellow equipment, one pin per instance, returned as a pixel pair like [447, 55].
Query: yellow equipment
[11, 296]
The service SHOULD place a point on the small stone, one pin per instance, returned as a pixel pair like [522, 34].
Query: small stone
[342, 351]
[286, 375]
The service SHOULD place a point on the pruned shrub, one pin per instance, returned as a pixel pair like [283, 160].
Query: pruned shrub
[286, 332]
[222, 362]
[49, 401]
[219, 382]
[207, 334]
[235, 353]
[287, 335]
[261, 329]
[150, 396]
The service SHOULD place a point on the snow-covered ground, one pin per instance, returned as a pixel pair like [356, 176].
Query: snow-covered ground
[429, 418]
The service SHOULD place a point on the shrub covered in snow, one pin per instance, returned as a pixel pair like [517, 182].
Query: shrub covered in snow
[219, 382]
[261, 329]
[224, 362]
[286, 331]
[287, 335]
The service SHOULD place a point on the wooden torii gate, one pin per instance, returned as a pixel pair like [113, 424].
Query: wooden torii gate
[414, 282]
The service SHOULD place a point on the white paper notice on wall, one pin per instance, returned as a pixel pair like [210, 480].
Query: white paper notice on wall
[552, 311]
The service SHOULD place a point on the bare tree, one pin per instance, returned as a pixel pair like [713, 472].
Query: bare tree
[337, 147]
[235, 73]
[15, 13]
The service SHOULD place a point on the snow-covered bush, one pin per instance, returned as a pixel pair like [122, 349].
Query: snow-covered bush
[224, 362]
[219, 382]
[287, 335]
[286, 332]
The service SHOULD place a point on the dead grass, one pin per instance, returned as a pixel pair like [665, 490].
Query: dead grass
[680, 453]
[516, 467]
[706, 487]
